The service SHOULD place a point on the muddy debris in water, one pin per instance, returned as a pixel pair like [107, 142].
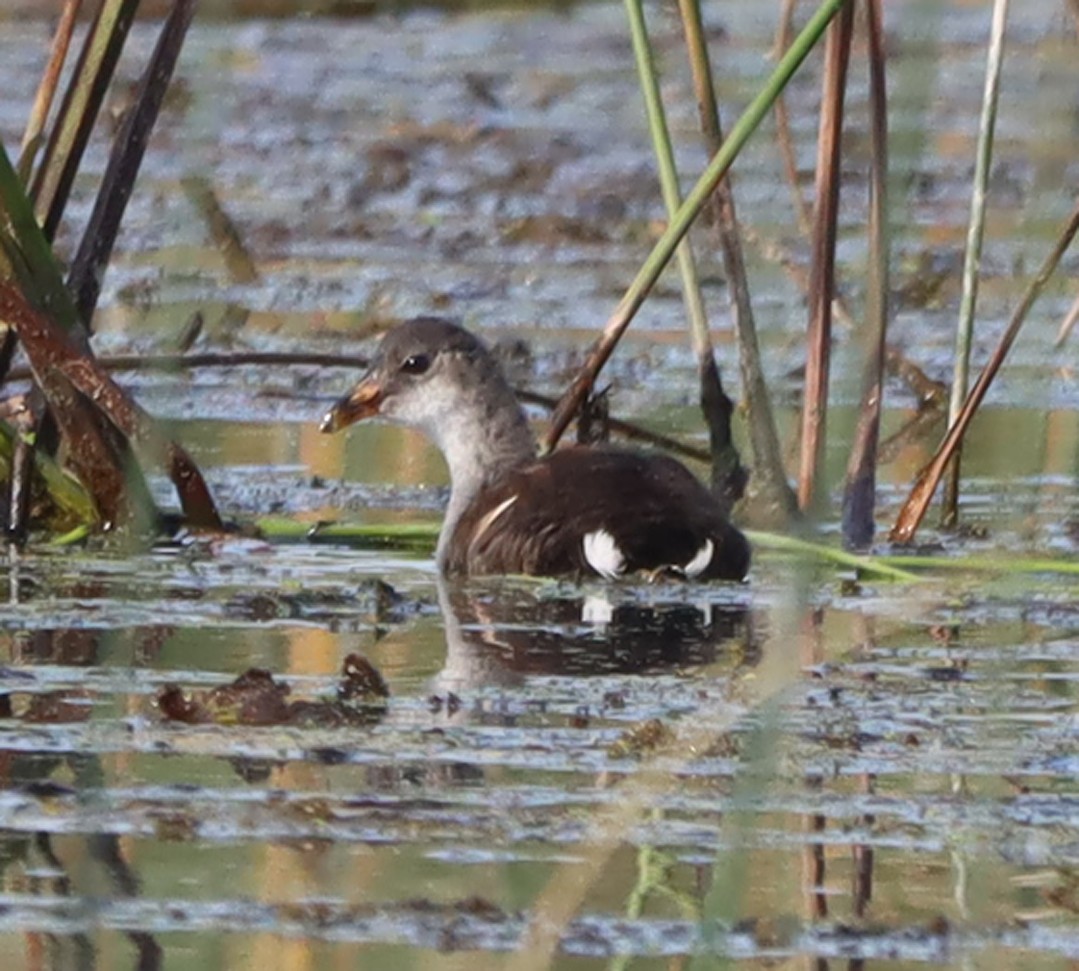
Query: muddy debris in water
[48, 708]
[451, 702]
[361, 680]
[257, 698]
[254, 698]
[175, 827]
[374, 602]
[639, 740]
[724, 746]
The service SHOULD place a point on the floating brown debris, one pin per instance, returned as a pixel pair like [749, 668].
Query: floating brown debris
[257, 698]
[361, 680]
[641, 739]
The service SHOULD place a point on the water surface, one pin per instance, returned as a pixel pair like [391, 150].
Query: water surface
[810, 769]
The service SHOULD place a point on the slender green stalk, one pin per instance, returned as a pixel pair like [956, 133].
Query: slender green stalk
[975, 234]
[421, 536]
[668, 174]
[71, 500]
[424, 536]
[679, 225]
[1005, 564]
[869, 565]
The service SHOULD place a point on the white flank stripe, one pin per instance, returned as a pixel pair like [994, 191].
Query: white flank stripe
[602, 554]
[700, 562]
[485, 523]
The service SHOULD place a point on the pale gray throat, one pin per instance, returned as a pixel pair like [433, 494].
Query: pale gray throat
[482, 437]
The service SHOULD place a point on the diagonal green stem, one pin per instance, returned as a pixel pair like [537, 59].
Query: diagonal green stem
[687, 212]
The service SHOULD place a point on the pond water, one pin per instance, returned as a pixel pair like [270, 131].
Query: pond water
[808, 770]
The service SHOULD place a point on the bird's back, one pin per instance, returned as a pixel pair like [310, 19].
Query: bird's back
[598, 510]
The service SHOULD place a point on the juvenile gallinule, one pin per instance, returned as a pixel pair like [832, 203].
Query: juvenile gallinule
[580, 510]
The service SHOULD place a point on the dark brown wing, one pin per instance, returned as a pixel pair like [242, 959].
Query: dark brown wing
[535, 519]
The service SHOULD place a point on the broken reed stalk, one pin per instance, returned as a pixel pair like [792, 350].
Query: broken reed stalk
[679, 225]
[859, 493]
[822, 271]
[46, 90]
[728, 476]
[973, 256]
[82, 102]
[770, 477]
[910, 516]
[128, 148]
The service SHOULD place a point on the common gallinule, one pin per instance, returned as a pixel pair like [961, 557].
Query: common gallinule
[580, 510]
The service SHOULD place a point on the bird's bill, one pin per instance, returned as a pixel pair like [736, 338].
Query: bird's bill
[361, 402]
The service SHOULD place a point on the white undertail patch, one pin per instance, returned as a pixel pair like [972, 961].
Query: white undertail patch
[602, 554]
[700, 562]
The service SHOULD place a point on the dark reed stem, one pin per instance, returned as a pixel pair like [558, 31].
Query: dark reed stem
[822, 273]
[78, 112]
[180, 362]
[769, 474]
[728, 476]
[859, 494]
[128, 149]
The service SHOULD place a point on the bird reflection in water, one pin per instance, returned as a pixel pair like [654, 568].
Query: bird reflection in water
[499, 632]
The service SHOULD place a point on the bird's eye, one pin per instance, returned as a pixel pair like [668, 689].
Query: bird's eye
[415, 364]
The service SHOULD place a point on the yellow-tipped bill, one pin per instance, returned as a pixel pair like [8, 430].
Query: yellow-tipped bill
[361, 402]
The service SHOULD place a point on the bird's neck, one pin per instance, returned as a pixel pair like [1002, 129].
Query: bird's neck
[485, 437]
